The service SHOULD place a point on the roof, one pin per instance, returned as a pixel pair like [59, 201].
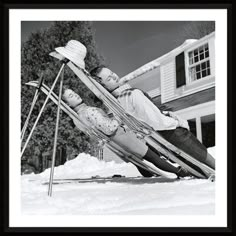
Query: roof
[157, 62]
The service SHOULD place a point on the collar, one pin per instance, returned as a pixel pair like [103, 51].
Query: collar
[80, 106]
[120, 89]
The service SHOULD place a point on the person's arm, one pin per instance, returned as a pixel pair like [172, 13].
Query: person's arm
[101, 121]
[80, 126]
[146, 111]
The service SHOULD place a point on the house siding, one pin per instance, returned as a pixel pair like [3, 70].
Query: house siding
[167, 82]
[187, 101]
[169, 91]
[212, 55]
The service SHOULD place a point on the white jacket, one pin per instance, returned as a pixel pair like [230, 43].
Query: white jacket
[138, 105]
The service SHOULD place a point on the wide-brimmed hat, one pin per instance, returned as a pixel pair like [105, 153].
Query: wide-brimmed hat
[57, 55]
[72, 98]
[75, 52]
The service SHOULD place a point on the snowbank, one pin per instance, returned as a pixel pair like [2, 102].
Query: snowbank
[84, 166]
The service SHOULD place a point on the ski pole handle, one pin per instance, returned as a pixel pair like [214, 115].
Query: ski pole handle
[41, 79]
[32, 106]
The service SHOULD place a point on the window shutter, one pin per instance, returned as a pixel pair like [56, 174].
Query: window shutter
[180, 70]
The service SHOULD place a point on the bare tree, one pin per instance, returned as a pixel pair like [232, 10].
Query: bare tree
[199, 29]
[195, 30]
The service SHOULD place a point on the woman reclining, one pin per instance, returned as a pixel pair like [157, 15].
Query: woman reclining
[96, 117]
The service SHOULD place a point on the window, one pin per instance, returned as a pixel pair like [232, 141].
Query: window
[199, 63]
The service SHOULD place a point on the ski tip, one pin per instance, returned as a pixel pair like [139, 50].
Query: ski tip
[161, 172]
[212, 178]
[32, 83]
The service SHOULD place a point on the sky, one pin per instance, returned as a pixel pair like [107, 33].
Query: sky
[127, 45]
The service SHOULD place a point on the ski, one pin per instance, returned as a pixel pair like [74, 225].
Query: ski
[99, 135]
[116, 179]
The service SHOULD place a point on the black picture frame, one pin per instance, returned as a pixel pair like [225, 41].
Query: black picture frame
[5, 7]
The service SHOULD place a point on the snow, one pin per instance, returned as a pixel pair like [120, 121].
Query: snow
[85, 166]
[211, 150]
[129, 196]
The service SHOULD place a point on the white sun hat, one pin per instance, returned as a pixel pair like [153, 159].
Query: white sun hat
[57, 55]
[75, 52]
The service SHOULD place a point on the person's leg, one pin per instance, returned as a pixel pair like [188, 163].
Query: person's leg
[132, 144]
[129, 142]
[186, 141]
[154, 158]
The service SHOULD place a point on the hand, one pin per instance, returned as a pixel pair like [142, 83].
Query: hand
[139, 136]
[181, 122]
[101, 143]
[172, 114]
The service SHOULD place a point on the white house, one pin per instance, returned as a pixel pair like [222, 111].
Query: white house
[183, 81]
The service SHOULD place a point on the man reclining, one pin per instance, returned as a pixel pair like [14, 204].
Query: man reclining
[173, 128]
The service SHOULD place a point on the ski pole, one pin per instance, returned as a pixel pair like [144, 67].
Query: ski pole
[40, 113]
[32, 106]
[55, 137]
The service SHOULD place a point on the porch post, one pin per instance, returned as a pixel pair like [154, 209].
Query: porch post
[199, 128]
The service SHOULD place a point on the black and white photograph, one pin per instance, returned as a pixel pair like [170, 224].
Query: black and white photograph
[116, 120]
